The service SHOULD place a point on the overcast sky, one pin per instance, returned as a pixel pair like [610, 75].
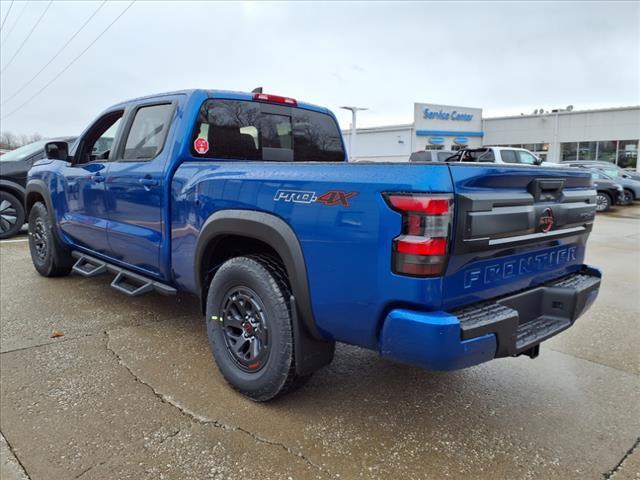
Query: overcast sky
[506, 58]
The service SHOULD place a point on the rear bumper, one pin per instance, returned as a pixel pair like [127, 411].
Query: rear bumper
[501, 327]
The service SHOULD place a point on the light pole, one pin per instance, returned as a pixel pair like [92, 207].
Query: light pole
[352, 136]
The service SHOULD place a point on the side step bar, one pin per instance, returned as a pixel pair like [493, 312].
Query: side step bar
[125, 281]
[89, 268]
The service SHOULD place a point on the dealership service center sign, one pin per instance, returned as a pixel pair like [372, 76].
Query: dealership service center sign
[453, 124]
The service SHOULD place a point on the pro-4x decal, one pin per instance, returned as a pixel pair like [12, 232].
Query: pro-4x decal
[330, 198]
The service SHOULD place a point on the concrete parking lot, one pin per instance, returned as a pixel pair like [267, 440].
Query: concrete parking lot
[130, 391]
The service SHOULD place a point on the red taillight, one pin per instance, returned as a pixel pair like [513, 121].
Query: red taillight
[422, 246]
[416, 203]
[265, 97]
[422, 249]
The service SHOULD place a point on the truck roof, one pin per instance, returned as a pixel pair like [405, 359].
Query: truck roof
[223, 94]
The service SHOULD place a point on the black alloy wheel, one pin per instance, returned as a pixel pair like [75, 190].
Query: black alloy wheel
[40, 239]
[11, 215]
[246, 333]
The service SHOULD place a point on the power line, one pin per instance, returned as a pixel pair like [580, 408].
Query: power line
[56, 55]
[6, 16]
[13, 27]
[27, 37]
[71, 62]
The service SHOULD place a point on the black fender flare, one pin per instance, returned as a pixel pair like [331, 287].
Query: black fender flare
[39, 187]
[271, 230]
[13, 188]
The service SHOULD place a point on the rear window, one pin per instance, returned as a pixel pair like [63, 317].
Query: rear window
[478, 156]
[442, 156]
[147, 133]
[245, 130]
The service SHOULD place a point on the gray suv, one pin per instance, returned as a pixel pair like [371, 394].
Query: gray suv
[630, 181]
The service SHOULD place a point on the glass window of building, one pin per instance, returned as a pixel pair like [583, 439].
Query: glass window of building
[627, 153]
[569, 151]
[607, 151]
[587, 150]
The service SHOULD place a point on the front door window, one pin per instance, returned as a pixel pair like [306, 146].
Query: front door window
[97, 143]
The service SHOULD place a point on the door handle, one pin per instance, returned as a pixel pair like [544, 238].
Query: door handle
[148, 182]
[97, 178]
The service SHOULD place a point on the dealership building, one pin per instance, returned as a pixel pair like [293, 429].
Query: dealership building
[609, 134]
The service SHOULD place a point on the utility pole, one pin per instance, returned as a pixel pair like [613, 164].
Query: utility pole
[352, 136]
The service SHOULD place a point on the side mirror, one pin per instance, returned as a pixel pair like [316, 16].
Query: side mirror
[539, 161]
[57, 151]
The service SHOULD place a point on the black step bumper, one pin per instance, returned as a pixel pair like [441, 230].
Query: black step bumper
[523, 320]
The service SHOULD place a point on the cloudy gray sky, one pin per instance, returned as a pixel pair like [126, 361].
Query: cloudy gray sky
[504, 57]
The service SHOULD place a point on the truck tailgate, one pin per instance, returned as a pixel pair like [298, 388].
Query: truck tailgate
[515, 227]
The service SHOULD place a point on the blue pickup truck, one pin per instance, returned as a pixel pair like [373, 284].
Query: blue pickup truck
[247, 201]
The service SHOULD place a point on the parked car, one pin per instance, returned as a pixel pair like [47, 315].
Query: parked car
[247, 201]
[621, 172]
[630, 185]
[14, 166]
[431, 155]
[491, 154]
[608, 192]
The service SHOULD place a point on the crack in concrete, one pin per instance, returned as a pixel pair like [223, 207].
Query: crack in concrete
[12, 451]
[611, 473]
[89, 335]
[193, 416]
[171, 435]
[50, 342]
[86, 470]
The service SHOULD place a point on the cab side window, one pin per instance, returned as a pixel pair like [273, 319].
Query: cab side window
[526, 158]
[148, 131]
[508, 156]
[98, 141]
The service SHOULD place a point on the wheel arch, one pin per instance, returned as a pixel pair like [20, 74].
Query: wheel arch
[269, 230]
[607, 193]
[36, 190]
[13, 188]
[632, 192]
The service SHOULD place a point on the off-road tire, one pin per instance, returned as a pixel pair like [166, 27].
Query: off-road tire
[265, 278]
[49, 257]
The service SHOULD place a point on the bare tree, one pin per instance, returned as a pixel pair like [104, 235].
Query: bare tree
[10, 141]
